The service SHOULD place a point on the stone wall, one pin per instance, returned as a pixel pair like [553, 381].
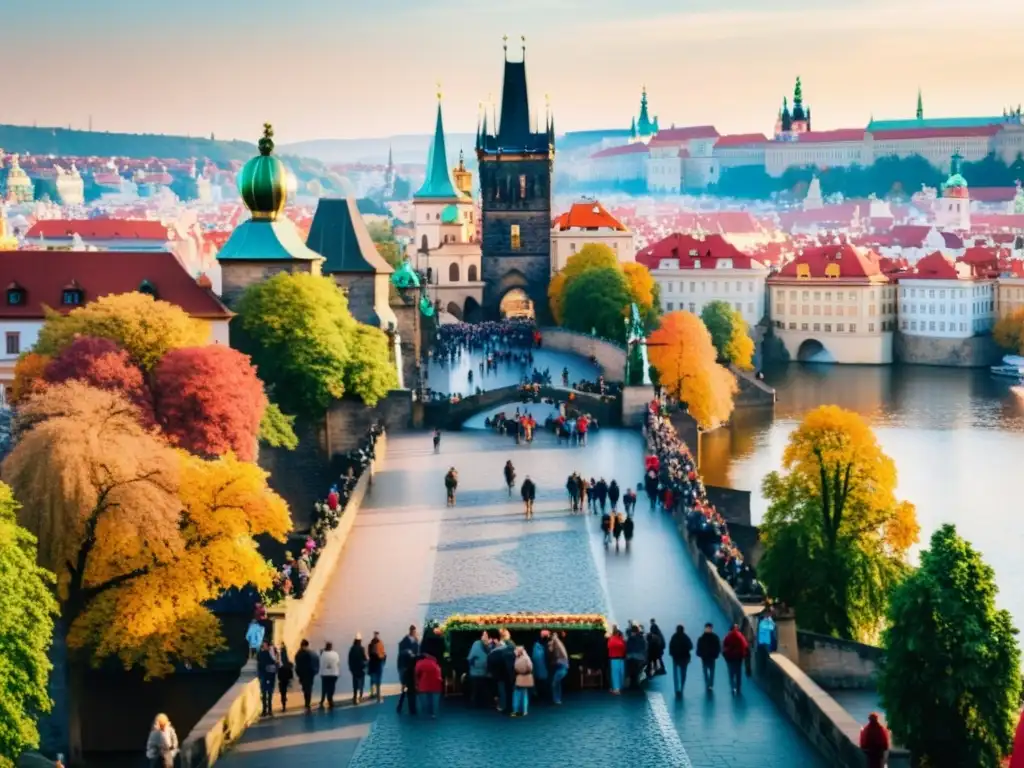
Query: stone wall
[839, 664]
[975, 352]
[348, 421]
[408, 316]
[299, 476]
[361, 290]
[635, 402]
[734, 505]
[611, 357]
[236, 276]
[501, 274]
[240, 707]
[753, 393]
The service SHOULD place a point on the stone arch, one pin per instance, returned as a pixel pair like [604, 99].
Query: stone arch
[813, 351]
[516, 302]
[453, 272]
[471, 273]
[471, 310]
[454, 310]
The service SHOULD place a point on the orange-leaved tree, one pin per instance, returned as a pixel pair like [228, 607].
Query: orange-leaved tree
[28, 375]
[681, 351]
[139, 535]
[145, 327]
[836, 536]
[1008, 332]
[590, 256]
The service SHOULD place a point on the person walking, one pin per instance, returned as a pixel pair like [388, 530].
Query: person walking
[307, 665]
[529, 493]
[451, 483]
[162, 744]
[636, 655]
[651, 488]
[429, 684]
[559, 666]
[477, 664]
[655, 650]
[617, 520]
[735, 649]
[627, 530]
[629, 502]
[616, 659]
[592, 496]
[524, 682]
[254, 635]
[608, 526]
[377, 655]
[613, 494]
[285, 674]
[266, 669]
[679, 649]
[510, 476]
[357, 668]
[709, 648]
[409, 649]
[437, 440]
[539, 657]
[330, 668]
[874, 742]
[601, 492]
[573, 489]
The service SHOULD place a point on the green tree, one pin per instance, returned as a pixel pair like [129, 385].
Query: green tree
[590, 256]
[835, 535]
[277, 428]
[951, 683]
[597, 300]
[27, 610]
[371, 372]
[300, 335]
[717, 317]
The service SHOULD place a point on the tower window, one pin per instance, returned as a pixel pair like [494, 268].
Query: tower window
[515, 237]
[71, 297]
[522, 186]
[15, 295]
[453, 272]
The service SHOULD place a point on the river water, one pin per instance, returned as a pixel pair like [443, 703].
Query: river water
[957, 437]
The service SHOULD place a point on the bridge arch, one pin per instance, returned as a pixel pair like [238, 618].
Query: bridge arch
[813, 351]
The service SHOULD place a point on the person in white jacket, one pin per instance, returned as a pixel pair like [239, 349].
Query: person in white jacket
[330, 668]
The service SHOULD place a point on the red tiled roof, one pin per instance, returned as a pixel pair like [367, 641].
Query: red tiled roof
[587, 215]
[687, 249]
[679, 135]
[853, 263]
[625, 149]
[740, 140]
[840, 134]
[935, 266]
[100, 229]
[909, 235]
[979, 255]
[44, 274]
[987, 222]
[993, 194]
[936, 133]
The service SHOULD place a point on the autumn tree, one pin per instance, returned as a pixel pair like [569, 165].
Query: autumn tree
[101, 363]
[951, 683]
[300, 335]
[371, 372]
[209, 400]
[141, 537]
[277, 428]
[28, 375]
[739, 350]
[1008, 332]
[597, 301]
[145, 327]
[590, 256]
[27, 610]
[684, 357]
[641, 285]
[835, 535]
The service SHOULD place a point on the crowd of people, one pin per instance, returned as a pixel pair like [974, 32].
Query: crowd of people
[454, 338]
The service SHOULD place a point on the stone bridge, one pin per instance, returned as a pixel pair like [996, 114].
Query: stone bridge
[607, 409]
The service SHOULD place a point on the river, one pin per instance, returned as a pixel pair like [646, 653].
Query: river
[957, 437]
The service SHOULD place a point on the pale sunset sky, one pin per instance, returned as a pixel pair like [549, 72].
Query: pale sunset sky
[345, 69]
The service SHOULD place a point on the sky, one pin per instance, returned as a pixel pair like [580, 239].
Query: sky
[321, 69]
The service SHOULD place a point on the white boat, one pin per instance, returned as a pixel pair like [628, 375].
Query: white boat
[1012, 367]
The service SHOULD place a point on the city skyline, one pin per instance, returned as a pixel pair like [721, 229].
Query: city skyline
[368, 72]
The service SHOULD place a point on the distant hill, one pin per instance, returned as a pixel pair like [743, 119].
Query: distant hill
[61, 141]
[407, 149]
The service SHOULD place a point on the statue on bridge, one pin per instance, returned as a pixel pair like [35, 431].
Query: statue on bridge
[636, 346]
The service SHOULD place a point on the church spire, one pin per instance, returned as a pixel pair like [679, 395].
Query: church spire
[438, 183]
[644, 126]
[920, 106]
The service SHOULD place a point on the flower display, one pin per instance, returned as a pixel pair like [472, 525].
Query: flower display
[462, 622]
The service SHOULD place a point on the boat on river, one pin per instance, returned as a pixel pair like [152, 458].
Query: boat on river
[1012, 367]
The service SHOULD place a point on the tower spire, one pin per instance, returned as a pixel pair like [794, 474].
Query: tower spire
[920, 106]
[438, 183]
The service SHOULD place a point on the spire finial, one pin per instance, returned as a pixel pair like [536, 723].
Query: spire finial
[438, 90]
[504, 45]
[522, 38]
[266, 142]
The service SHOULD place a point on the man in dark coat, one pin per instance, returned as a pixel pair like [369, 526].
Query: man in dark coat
[679, 648]
[709, 648]
[307, 665]
[529, 493]
[601, 493]
[655, 650]
[408, 651]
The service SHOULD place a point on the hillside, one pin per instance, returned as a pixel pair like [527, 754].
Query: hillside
[407, 149]
[61, 141]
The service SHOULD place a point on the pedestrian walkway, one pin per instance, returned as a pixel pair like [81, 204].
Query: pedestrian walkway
[410, 558]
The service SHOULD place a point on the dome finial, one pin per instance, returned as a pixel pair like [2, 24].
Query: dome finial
[266, 143]
[439, 94]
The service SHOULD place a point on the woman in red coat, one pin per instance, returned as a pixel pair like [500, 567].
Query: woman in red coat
[874, 742]
[429, 684]
[1017, 756]
[616, 659]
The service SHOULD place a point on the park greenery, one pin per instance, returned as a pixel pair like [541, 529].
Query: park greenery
[27, 610]
[951, 683]
[682, 353]
[835, 535]
[383, 236]
[729, 334]
[308, 348]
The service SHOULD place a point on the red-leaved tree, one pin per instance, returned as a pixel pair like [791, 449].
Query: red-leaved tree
[208, 400]
[101, 363]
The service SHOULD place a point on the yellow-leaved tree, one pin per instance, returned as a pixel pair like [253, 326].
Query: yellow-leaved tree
[139, 535]
[739, 349]
[641, 285]
[836, 537]
[590, 256]
[681, 351]
[1008, 332]
[146, 327]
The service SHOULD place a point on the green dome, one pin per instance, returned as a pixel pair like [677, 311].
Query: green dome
[405, 277]
[450, 214]
[263, 182]
[956, 180]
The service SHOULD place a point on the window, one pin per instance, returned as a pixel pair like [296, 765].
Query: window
[693, 307]
[693, 287]
[72, 297]
[828, 327]
[828, 309]
[522, 187]
[931, 294]
[15, 295]
[817, 295]
[572, 247]
[671, 306]
[515, 237]
[737, 306]
[942, 326]
[14, 343]
[803, 326]
[739, 286]
[750, 287]
[903, 325]
[871, 327]
[471, 273]
[792, 326]
[931, 325]
[782, 309]
[963, 327]
[853, 327]
[841, 327]
[817, 310]
[913, 325]
[670, 287]
[817, 327]
[453, 272]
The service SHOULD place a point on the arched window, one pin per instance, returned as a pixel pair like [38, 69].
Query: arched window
[471, 273]
[423, 244]
[453, 272]
[147, 287]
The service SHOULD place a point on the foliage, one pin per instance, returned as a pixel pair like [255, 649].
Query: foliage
[209, 400]
[597, 301]
[140, 536]
[952, 681]
[27, 610]
[277, 428]
[590, 256]
[28, 375]
[371, 372]
[682, 352]
[145, 327]
[740, 348]
[641, 285]
[717, 317]
[300, 335]
[1009, 332]
[101, 363]
[835, 535]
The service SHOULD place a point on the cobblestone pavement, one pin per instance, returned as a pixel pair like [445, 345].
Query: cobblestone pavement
[410, 557]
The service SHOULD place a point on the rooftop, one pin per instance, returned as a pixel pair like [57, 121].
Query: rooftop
[587, 215]
[339, 234]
